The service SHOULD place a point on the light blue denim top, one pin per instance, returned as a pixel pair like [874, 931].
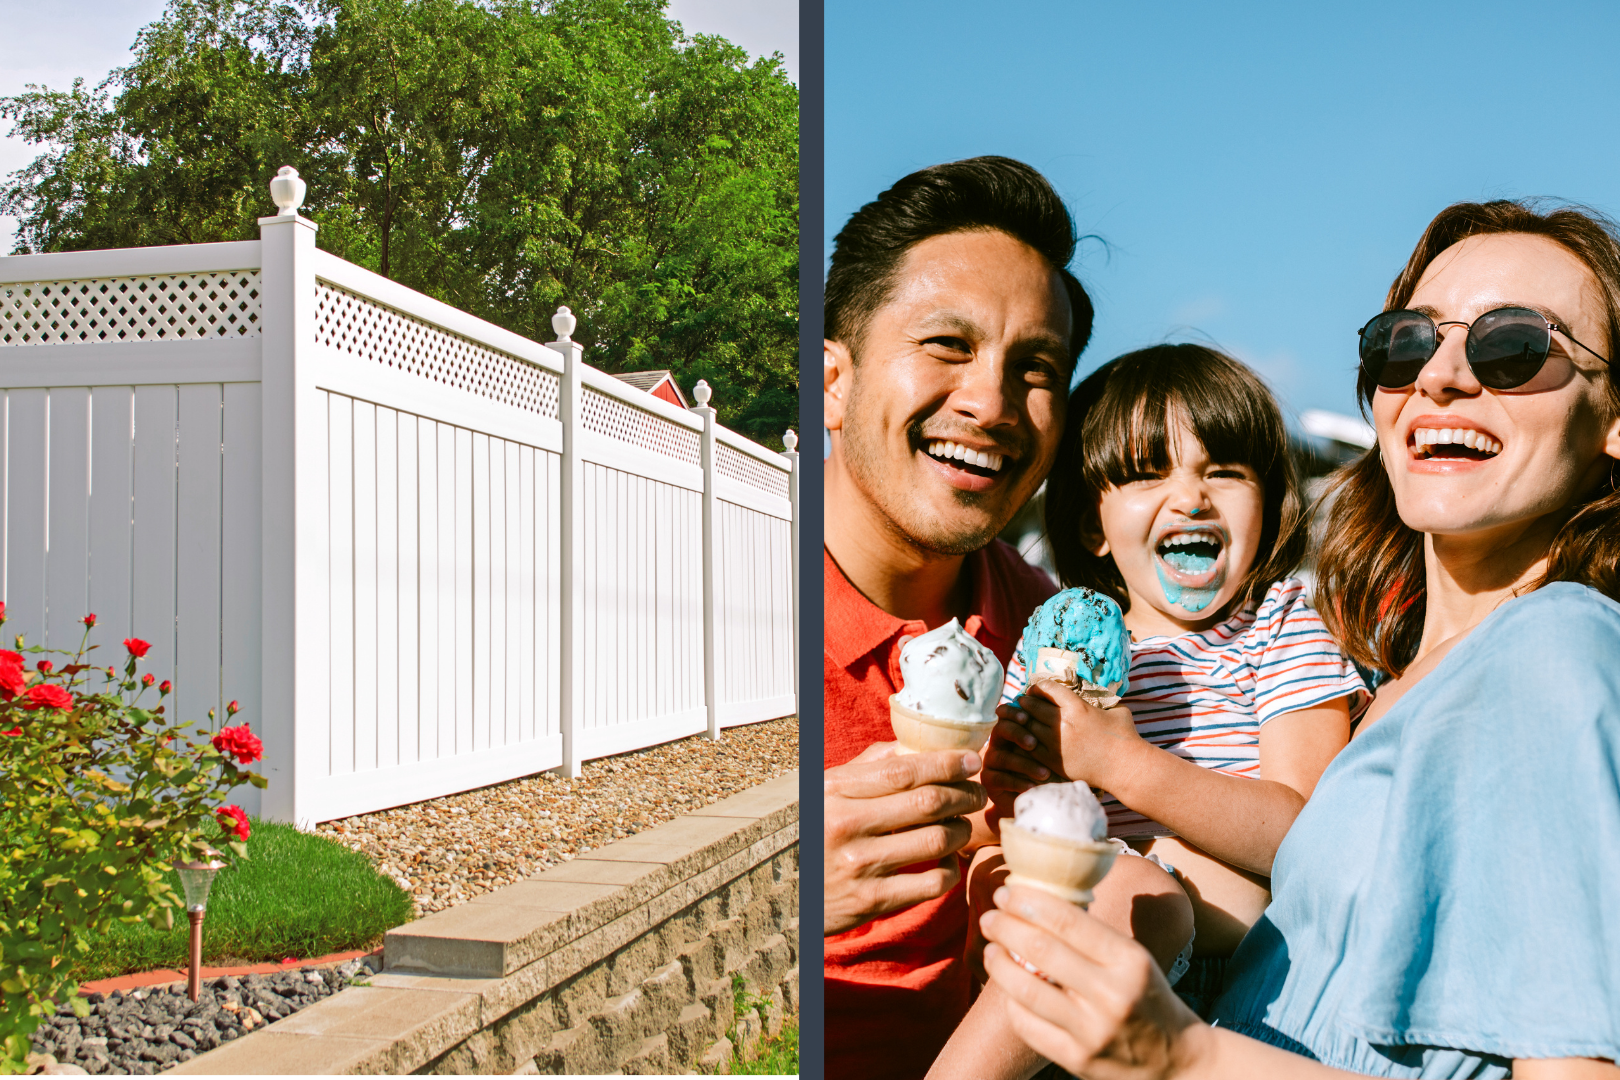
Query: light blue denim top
[1449, 899]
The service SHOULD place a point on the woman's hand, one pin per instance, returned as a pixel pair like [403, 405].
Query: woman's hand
[1107, 1011]
[1089, 743]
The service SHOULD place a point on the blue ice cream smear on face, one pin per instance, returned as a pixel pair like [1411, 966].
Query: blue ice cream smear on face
[1088, 624]
[1189, 598]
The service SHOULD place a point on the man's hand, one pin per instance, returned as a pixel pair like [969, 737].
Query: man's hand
[1090, 744]
[886, 812]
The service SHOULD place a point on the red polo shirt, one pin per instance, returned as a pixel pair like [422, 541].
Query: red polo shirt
[897, 987]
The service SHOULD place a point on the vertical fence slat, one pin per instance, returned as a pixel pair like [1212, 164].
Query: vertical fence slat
[67, 595]
[429, 560]
[241, 561]
[479, 594]
[365, 585]
[553, 609]
[513, 661]
[343, 528]
[408, 644]
[462, 592]
[495, 621]
[153, 541]
[197, 587]
[387, 710]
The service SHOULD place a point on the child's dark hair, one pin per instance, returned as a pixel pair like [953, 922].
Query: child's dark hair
[1120, 423]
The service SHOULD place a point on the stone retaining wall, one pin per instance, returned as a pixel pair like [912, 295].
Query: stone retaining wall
[630, 959]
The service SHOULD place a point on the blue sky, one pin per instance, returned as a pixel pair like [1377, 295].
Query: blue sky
[1261, 172]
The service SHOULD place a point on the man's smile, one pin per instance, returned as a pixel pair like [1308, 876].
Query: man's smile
[967, 468]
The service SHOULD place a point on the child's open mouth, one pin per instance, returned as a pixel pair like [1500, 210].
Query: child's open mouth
[1191, 556]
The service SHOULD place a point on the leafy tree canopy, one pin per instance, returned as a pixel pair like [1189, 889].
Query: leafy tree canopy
[504, 156]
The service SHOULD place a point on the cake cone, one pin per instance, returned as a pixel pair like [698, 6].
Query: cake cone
[919, 732]
[1065, 868]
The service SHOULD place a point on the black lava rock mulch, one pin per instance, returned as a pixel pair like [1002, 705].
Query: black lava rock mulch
[146, 1031]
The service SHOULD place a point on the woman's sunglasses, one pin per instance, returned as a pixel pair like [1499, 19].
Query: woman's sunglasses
[1505, 348]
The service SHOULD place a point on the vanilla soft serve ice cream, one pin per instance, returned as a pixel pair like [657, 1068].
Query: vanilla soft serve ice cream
[1069, 811]
[949, 675]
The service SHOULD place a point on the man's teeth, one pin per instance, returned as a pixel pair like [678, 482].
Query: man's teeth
[1426, 439]
[950, 451]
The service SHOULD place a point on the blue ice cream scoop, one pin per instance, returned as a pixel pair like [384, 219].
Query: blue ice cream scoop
[1085, 623]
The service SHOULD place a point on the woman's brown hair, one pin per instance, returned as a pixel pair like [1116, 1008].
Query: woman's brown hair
[1121, 422]
[1370, 586]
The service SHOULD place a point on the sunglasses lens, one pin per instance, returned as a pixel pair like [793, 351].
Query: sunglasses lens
[1395, 346]
[1507, 347]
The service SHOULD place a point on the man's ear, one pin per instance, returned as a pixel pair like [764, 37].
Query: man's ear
[838, 369]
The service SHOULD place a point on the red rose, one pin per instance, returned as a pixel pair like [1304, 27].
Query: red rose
[89, 620]
[234, 819]
[232, 709]
[136, 646]
[12, 678]
[2, 611]
[47, 696]
[240, 743]
[44, 667]
[165, 686]
[148, 679]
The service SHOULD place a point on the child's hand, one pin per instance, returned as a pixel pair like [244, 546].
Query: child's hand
[987, 874]
[1089, 743]
[1014, 762]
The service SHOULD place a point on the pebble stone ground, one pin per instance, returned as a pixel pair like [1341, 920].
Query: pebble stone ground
[446, 851]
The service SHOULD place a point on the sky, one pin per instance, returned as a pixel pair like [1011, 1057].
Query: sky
[51, 42]
[1260, 172]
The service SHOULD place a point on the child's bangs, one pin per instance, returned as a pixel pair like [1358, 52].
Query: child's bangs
[1129, 430]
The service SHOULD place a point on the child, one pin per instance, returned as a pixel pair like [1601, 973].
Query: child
[1174, 494]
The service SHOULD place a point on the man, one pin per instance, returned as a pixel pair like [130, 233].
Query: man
[952, 330]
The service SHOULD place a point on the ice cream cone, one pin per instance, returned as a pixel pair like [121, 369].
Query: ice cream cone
[1062, 867]
[919, 732]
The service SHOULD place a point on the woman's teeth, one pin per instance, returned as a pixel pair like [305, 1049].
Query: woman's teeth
[1427, 440]
[950, 451]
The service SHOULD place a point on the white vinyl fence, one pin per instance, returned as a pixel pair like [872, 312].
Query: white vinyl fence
[424, 553]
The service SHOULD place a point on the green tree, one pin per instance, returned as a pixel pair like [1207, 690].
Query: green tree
[504, 156]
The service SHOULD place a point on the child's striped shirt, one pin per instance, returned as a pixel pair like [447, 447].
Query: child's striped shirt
[1205, 695]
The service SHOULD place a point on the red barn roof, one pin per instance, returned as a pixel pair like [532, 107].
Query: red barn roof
[660, 384]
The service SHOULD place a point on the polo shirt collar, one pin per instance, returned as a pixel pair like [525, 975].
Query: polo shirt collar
[855, 626]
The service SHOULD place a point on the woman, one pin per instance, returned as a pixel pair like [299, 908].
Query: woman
[1448, 902]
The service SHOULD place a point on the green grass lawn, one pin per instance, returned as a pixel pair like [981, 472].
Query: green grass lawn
[297, 894]
[777, 1057]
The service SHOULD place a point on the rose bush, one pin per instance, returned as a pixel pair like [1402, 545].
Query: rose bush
[101, 791]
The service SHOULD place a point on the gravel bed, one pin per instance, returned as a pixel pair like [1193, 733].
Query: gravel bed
[446, 851]
[149, 1030]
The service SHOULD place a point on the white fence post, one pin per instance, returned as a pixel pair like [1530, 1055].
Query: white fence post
[571, 665]
[294, 526]
[711, 539]
[791, 441]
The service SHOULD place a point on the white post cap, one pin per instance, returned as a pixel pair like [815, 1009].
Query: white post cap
[563, 323]
[702, 392]
[790, 440]
[287, 191]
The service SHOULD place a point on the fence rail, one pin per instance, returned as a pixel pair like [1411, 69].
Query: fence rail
[425, 553]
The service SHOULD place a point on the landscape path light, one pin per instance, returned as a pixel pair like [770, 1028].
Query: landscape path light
[195, 879]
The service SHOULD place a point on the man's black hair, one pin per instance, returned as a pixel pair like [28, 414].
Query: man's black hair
[961, 196]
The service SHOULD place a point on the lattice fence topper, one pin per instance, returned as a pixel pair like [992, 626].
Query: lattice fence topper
[746, 469]
[384, 336]
[611, 417]
[162, 307]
